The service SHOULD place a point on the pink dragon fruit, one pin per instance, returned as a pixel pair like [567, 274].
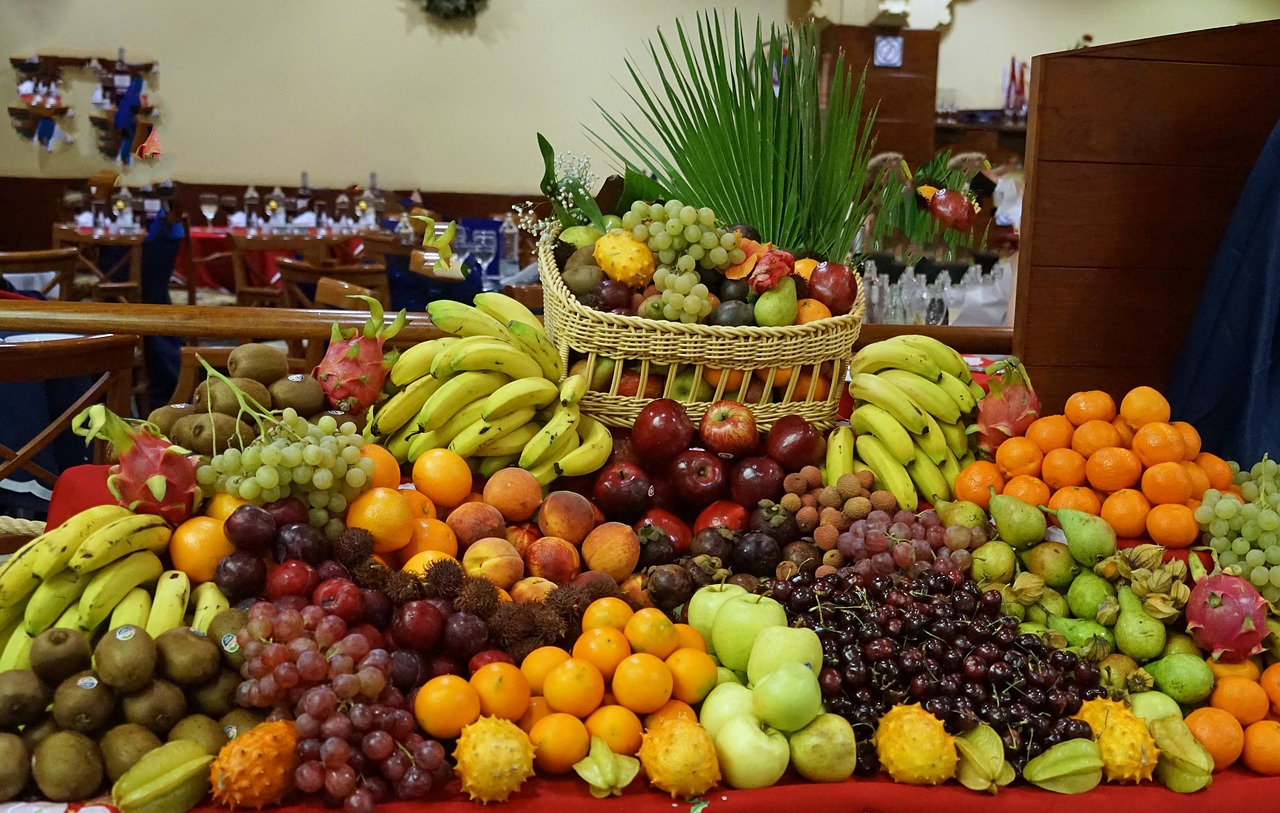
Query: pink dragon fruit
[354, 367]
[153, 476]
[1226, 616]
[1007, 409]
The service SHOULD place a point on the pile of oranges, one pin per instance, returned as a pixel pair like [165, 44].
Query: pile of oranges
[1131, 465]
[626, 671]
[1242, 719]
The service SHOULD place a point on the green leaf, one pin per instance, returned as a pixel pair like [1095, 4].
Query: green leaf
[548, 184]
[638, 186]
[588, 205]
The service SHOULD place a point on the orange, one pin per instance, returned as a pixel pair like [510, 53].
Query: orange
[618, 726]
[1190, 438]
[443, 476]
[712, 376]
[1166, 483]
[1219, 732]
[1112, 468]
[1077, 497]
[1062, 468]
[1090, 405]
[602, 647]
[975, 481]
[693, 675]
[419, 503]
[1244, 699]
[1245, 669]
[538, 663]
[418, 563]
[503, 690]
[1019, 456]
[650, 631]
[804, 382]
[1122, 429]
[607, 612]
[1262, 747]
[811, 310]
[805, 267]
[1158, 442]
[559, 740]
[1031, 490]
[536, 711]
[197, 546]
[643, 683]
[690, 638]
[1091, 436]
[1126, 511]
[671, 710]
[1220, 475]
[386, 514]
[1050, 432]
[1270, 682]
[1173, 526]
[781, 375]
[386, 471]
[1142, 405]
[1199, 479]
[574, 687]
[446, 704]
[221, 505]
[429, 534]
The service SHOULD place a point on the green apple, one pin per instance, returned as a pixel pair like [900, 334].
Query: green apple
[704, 605]
[788, 698]
[825, 750]
[727, 701]
[778, 645]
[1154, 705]
[739, 621]
[751, 754]
[726, 675]
[682, 388]
[579, 236]
[599, 379]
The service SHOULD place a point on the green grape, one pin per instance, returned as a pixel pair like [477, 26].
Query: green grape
[688, 215]
[1250, 531]
[1271, 593]
[673, 227]
[288, 414]
[1274, 575]
[339, 468]
[1239, 546]
[1268, 520]
[728, 241]
[219, 463]
[629, 220]
[1228, 558]
[267, 476]
[683, 285]
[272, 455]
[689, 318]
[322, 479]
[249, 489]
[269, 495]
[1211, 496]
[303, 473]
[291, 456]
[1255, 558]
[692, 306]
[661, 242]
[706, 263]
[1234, 466]
[355, 478]
[686, 263]
[337, 503]
[327, 424]
[1249, 511]
[700, 291]
[318, 498]
[709, 240]
[693, 234]
[1267, 539]
[656, 227]
[657, 212]
[206, 475]
[1203, 514]
[670, 312]
[1260, 576]
[667, 257]
[706, 217]
[317, 516]
[1226, 509]
[312, 455]
[251, 457]
[718, 256]
[366, 465]
[1220, 544]
[677, 300]
[231, 460]
[286, 477]
[640, 231]
[333, 528]
[706, 308]
[679, 243]
[696, 252]
[640, 209]
[660, 276]
[736, 256]
[673, 208]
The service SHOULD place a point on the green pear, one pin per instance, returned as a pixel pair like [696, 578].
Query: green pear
[1114, 671]
[1051, 603]
[1090, 538]
[961, 512]
[1078, 631]
[778, 307]
[1138, 635]
[579, 236]
[1183, 676]
[1051, 561]
[1086, 592]
[1018, 523]
[1180, 642]
[993, 563]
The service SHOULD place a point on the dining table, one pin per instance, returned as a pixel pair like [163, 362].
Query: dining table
[214, 250]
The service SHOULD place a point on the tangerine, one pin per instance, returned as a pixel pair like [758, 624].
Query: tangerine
[1245, 669]
[538, 663]
[618, 726]
[1019, 456]
[429, 534]
[1062, 468]
[1089, 405]
[808, 388]
[975, 481]
[1077, 497]
[1166, 483]
[1262, 747]
[602, 647]
[574, 686]
[221, 505]
[197, 545]
[811, 310]
[1219, 732]
[1190, 438]
[419, 503]
[1123, 430]
[443, 476]
[1172, 525]
[559, 740]
[651, 631]
[1270, 683]
[386, 471]
[445, 704]
[536, 711]
[1242, 698]
[693, 674]
[643, 683]
[1091, 436]
[1199, 478]
[1031, 490]
[385, 514]
[503, 690]
[419, 562]
[1158, 442]
[690, 638]
[607, 612]
[671, 710]
[1051, 432]
[1112, 468]
[1142, 405]
[1220, 474]
[1126, 512]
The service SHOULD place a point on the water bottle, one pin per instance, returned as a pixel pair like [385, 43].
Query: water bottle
[509, 250]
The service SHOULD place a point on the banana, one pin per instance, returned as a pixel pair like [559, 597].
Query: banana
[944, 355]
[71, 620]
[545, 473]
[839, 454]
[978, 392]
[533, 339]
[439, 438]
[404, 406]
[893, 353]
[1071, 766]
[859, 466]
[133, 610]
[950, 467]
[572, 389]
[8, 629]
[930, 482]
[925, 394]
[52, 598]
[872, 389]
[491, 465]
[511, 442]
[959, 392]
[1184, 766]
[890, 474]
[442, 365]
[415, 362]
[461, 319]
[869, 419]
[592, 452]
[110, 584]
[17, 650]
[500, 358]
[525, 392]
[567, 442]
[209, 602]
[169, 607]
[957, 438]
[119, 539]
[399, 443]
[505, 309]
[480, 432]
[11, 615]
[932, 440]
[461, 389]
[74, 533]
[564, 420]
[16, 579]
[170, 779]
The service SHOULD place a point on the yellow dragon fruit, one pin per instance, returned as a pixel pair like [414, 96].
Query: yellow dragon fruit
[624, 258]
[256, 768]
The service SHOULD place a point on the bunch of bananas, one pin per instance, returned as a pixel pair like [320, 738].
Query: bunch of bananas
[913, 397]
[489, 392]
[99, 569]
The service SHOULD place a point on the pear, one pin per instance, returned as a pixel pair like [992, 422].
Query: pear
[1086, 592]
[1138, 635]
[1183, 676]
[1018, 523]
[961, 512]
[1180, 642]
[1078, 631]
[777, 307]
[1114, 671]
[993, 563]
[1051, 561]
[1090, 538]
[1051, 603]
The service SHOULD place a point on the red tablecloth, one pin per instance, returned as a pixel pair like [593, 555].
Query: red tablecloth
[207, 241]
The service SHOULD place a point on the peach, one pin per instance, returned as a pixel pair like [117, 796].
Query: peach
[567, 515]
[633, 589]
[522, 535]
[494, 559]
[612, 548]
[515, 492]
[552, 558]
[475, 520]
[531, 589]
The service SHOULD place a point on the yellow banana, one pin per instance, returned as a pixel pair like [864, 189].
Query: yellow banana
[592, 452]
[75, 532]
[959, 392]
[133, 610]
[461, 319]
[119, 539]
[52, 598]
[209, 602]
[169, 607]
[564, 420]
[524, 392]
[890, 475]
[440, 437]
[71, 620]
[110, 584]
[561, 446]
[480, 432]
[950, 467]
[511, 442]
[932, 439]
[534, 341]
[927, 395]
[893, 353]
[872, 389]
[460, 389]
[505, 309]
[572, 389]
[944, 355]
[839, 454]
[415, 362]
[442, 366]
[869, 419]
[500, 358]
[399, 443]
[404, 406]
[545, 473]
[17, 650]
[957, 437]
[491, 465]
[929, 480]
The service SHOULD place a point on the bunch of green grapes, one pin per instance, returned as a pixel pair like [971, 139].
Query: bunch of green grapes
[1245, 533]
[683, 239]
[318, 463]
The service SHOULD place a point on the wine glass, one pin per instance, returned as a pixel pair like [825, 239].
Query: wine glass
[484, 247]
[209, 203]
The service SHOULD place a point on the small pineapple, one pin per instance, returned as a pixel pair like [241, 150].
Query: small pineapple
[914, 747]
[1129, 752]
[256, 768]
[493, 757]
[624, 258]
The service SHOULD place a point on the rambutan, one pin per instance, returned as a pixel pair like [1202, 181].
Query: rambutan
[442, 579]
[478, 597]
[353, 547]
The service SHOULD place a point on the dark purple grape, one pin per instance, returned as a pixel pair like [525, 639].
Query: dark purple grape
[308, 750]
[340, 781]
[393, 769]
[377, 745]
[415, 784]
[335, 752]
[428, 755]
[309, 777]
[241, 574]
[337, 726]
[306, 726]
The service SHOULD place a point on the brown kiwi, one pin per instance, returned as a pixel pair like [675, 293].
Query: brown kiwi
[218, 696]
[57, 654]
[67, 767]
[200, 431]
[157, 707]
[302, 392]
[238, 721]
[23, 698]
[214, 394]
[35, 733]
[186, 657]
[15, 766]
[222, 631]
[124, 745]
[261, 362]
[125, 658]
[583, 256]
[83, 703]
[201, 729]
[166, 416]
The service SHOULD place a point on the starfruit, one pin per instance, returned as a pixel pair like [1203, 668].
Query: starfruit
[170, 779]
[604, 771]
[982, 766]
[1184, 766]
[1073, 766]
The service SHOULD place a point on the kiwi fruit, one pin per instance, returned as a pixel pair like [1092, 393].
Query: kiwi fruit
[218, 696]
[583, 256]
[200, 729]
[57, 654]
[186, 657]
[222, 631]
[302, 392]
[215, 395]
[15, 766]
[166, 416]
[583, 278]
[35, 733]
[124, 745]
[83, 703]
[208, 433]
[125, 658]
[67, 767]
[238, 721]
[23, 698]
[157, 707]
[261, 362]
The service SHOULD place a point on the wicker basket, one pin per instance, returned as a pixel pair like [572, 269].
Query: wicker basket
[811, 354]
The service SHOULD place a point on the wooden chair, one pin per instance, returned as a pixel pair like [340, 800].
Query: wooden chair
[338, 293]
[61, 261]
[371, 276]
[103, 284]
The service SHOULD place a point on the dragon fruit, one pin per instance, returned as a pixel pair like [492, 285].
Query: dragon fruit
[153, 476]
[354, 367]
[1226, 616]
[1008, 408]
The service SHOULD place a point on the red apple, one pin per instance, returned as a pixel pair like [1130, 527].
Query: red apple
[629, 385]
[729, 429]
[624, 451]
[756, 479]
[795, 443]
[661, 429]
[833, 285]
[699, 477]
[623, 491]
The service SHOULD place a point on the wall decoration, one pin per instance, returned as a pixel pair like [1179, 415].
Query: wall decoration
[38, 116]
[452, 9]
